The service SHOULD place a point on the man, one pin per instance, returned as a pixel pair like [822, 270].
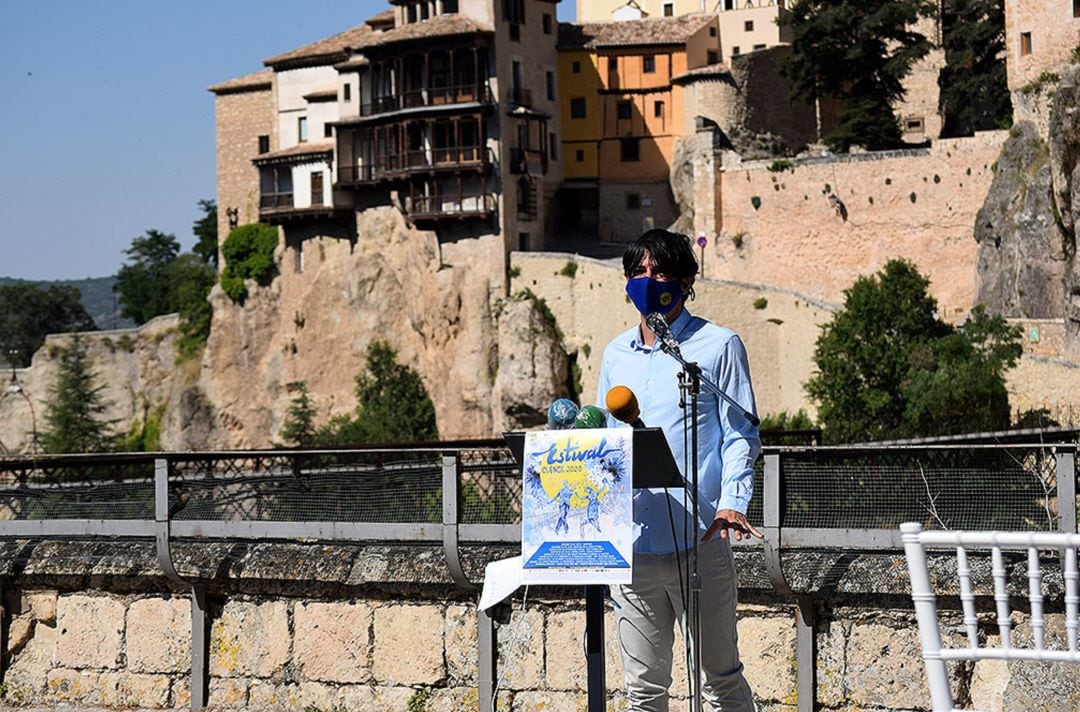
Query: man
[660, 269]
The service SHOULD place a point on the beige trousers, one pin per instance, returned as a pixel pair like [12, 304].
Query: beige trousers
[647, 611]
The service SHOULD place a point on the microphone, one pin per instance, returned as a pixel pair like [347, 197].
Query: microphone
[561, 414]
[623, 406]
[668, 342]
[590, 417]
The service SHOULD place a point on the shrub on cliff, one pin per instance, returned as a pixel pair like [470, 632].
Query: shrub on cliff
[888, 368]
[392, 405]
[75, 417]
[249, 254]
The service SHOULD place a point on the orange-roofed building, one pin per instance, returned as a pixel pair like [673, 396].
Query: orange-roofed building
[621, 115]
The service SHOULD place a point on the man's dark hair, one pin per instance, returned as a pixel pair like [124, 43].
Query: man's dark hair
[671, 254]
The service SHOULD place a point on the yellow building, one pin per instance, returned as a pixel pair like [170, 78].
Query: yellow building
[621, 115]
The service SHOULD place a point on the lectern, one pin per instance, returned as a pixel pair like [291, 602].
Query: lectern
[653, 466]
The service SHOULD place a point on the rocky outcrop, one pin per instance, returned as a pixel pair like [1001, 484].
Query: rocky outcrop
[1022, 249]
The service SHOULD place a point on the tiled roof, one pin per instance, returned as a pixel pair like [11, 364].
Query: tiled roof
[709, 70]
[337, 48]
[632, 33]
[256, 80]
[300, 149]
[384, 18]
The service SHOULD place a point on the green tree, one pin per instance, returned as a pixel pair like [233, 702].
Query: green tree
[29, 312]
[74, 419]
[974, 89]
[887, 367]
[299, 427]
[189, 283]
[144, 283]
[206, 234]
[857, 51]
[392, 405]
[249, 254]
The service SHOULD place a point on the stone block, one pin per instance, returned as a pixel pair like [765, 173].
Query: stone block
[228, 692]
[362, 697]
[91, 632]
[123, 689]
[27, 673]
[319, 696]
[20, 631]
[42, 604]
[181, 692]
[250, 639]
[884, 667]
[767, 651]
[462, 654]
[409, 645]
[831, 642]
[269, 695]
[159, 635]
[74, 686]
[454, 699]
[1041, 687]
[333, 641]
[549, 701]
[566, 666]
[989, 680]
[521, 651]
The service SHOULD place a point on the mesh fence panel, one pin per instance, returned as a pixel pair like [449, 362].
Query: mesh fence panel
[77, 488]
[351, 486]
[1011, 488]
[490, 487]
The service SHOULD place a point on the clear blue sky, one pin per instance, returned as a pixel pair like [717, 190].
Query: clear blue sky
[107, 128]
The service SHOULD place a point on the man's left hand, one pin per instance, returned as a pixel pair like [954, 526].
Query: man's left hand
[736, 522]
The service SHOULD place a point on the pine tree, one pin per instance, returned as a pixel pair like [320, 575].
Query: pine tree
[75, 419]
[299, 427]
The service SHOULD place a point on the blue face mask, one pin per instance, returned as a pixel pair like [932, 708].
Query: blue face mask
[650, 295]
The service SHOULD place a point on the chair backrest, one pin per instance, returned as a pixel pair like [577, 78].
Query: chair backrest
[1062, 544]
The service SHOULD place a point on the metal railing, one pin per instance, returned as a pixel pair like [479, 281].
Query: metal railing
[439, 206]
[275, 200]
[820, 498]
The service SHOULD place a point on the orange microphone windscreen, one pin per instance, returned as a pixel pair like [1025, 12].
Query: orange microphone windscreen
[622, 404]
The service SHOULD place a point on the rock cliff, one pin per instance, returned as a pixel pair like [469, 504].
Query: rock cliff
[490, 362]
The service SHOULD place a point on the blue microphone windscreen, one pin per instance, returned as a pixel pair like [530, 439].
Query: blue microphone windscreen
[561, 414]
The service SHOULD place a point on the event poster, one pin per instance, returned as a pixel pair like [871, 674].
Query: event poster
[577, 506]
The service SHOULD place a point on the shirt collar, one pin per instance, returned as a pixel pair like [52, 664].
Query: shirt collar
[677, 327]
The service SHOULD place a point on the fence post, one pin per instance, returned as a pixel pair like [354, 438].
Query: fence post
[451, 469]
[200, 648]
[1066, 490]
[486, 643]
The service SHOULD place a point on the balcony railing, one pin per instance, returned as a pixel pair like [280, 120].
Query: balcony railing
[436, 207]
[467, 93]
[438, 159]
[271, 201]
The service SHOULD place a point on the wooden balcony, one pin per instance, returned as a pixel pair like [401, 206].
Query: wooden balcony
[461, 206]
[435, 96]
[448, 159]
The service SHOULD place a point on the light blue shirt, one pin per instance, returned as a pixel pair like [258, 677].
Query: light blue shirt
[727, 442]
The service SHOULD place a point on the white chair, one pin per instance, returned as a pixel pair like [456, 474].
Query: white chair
[916, 542]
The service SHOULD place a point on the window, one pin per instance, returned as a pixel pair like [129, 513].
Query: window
[658, 109]
[623, 109]
[648, 64]
[579, 156]
[758, 46]
[712, 58]
[1025, 44]
[633, 201]
[328, 131]
[523, 241]
[734, 53]
[346, 92]
[317, 188]
[264, 144]
[629, 150]
[546, 22]
[550, 80]
[748, 25]
[613, 65]
[669, 9]
[553, 146]
[712, 31]
[914, 123]
[515, 32]
[575, 67]
[1076, 8]
[301, 129]
[577, 108]
[729, 4]
[449, 7]
[410, 13]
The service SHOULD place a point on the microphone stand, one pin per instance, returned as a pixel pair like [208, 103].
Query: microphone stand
[690, 383]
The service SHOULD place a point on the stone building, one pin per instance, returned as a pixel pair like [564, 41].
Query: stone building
[443, 109]
[1040, 36]
[621, 115]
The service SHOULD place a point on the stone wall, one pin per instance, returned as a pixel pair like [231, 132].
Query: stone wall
[241, 116]
[1052, 26]
[816, 225]
[309, 627]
